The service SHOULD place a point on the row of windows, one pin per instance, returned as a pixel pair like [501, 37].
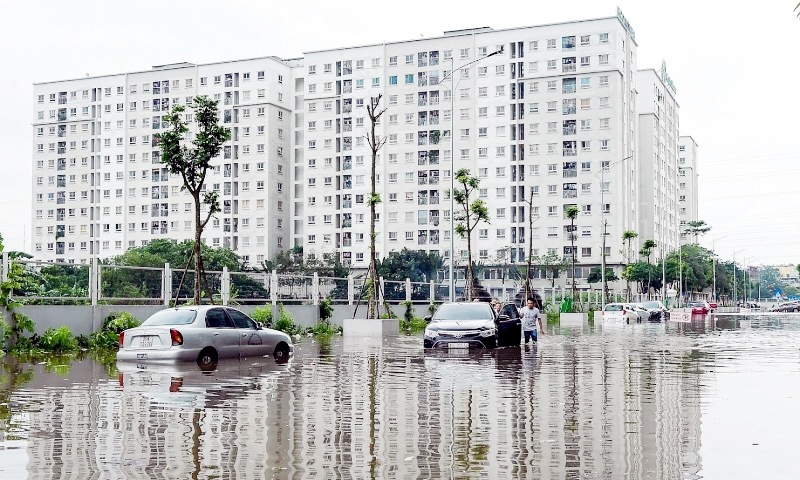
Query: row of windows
[157, 87]
[568, 43]
[106, 245]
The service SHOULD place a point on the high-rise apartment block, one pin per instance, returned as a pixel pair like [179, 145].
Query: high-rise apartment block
[687, 186]
[657, 159]
[546, 117]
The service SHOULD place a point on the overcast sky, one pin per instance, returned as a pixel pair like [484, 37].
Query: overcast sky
[735, 69]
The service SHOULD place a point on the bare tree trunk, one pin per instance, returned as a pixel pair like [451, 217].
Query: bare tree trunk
[469, 280]
[375, 145]
[198, 258]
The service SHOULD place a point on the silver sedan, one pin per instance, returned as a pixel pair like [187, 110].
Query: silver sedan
[203, 334]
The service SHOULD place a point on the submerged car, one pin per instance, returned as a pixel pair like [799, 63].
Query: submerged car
[472, 325]
[203, 334]
[620, 312]
[655, 310]
[701, 308]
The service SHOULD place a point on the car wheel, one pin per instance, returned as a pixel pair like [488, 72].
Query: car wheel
[207, 359]
[281, 353]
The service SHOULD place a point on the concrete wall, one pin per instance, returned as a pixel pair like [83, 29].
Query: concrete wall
[85, 319]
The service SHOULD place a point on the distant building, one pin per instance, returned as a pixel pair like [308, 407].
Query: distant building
[687, 186]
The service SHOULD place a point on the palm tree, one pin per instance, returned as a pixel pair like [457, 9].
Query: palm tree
[697, 227]
[572, 214]
[627, 237]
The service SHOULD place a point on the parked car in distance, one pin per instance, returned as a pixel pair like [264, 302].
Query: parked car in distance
[712, 306]
[203, 334]
[750, 305]
[698, 307]
[787, 307]
[655, 310]
[472, 325]
[620, 312]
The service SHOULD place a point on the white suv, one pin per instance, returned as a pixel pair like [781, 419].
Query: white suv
[620, 312]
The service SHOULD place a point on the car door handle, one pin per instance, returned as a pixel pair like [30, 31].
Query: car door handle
[244, 335]
[216, 334]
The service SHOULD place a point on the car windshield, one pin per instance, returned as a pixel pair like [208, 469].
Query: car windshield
[614, 307]
[171, 317]
[651, 305]
[464, 311]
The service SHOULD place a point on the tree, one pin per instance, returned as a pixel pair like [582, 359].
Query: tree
[572, 214]
[416, 265]
[192, 164]
[595, 276]
[552, 265]
[469, 218]
[697, 227]
[374, 112]
[646, 251]
[627, 237]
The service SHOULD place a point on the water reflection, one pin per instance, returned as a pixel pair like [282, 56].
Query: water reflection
[628, 402]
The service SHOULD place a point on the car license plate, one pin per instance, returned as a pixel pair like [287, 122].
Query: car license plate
[141, 356]
[141, 366]
[458, 345]
[146, 342]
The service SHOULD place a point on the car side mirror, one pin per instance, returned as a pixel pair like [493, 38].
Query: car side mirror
[503, 317]
[427, 318]
[259, 326]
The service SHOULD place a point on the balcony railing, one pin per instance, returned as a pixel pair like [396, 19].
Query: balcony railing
[570, 173]
[570, 152]
[570, 193]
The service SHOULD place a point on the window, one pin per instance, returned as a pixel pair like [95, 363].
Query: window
[603, 38]
[604, 81]
[604, 59]
[585, 61]
[551, 43]
[551, 64]
[604, 144]
[604, 102]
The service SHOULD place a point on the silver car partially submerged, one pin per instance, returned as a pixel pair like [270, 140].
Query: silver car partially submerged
[203, 334]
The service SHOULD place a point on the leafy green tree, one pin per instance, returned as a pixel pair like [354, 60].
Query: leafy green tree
[471, 215]
[374, 112]
[595, 276]
[697, 227]
[627, 238]
[770, 280]
[192, 164]
[646, 251]
[416, 265]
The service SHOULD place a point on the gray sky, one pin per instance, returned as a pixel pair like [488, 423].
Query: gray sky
[735, 70]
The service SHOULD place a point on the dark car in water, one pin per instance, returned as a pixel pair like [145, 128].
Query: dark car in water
[472, 325]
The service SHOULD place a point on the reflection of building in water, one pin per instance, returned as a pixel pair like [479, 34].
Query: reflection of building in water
[590, 406]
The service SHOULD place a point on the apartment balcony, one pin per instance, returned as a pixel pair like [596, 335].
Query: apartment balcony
[569, 68]
[570, 130]
[347, 242]
[570, 152]
[570, 173]
[570, 194]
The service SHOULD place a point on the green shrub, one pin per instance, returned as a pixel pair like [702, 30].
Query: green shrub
[108, 336]
[325, 329]
[263, 315]
[119, 321]
[325, 309]
[58, 340]
[286, 324]
[409, 313]
[415, 324]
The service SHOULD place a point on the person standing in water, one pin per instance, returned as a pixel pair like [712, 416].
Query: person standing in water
[531, 319]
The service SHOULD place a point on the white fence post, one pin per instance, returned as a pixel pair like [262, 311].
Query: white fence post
[225, 286]
[380, 295]
[166, 284]
[350, 287]
[273, 290]
[433, 293]
[315, 289]
[408, 289]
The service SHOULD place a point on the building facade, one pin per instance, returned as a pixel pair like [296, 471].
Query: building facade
[99, 185]
[546, 117]
[544, 125]
[657, 160]
[687, 186]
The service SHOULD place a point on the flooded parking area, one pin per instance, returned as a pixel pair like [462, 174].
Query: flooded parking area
[714, 398]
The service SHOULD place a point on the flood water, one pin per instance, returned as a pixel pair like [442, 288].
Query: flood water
[717, 398]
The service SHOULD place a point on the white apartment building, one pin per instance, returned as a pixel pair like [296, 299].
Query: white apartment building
[687, 185]
[657, 160]
[550, 118]
[100, 188]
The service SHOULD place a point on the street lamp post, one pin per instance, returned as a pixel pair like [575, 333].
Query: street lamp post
[714, 268]
[603, 222]
[747, 278]
[452, 166]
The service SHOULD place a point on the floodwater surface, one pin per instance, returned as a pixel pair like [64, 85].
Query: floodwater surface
[714, 398]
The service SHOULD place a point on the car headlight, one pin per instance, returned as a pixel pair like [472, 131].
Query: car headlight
[487, 333]
[431, 333]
